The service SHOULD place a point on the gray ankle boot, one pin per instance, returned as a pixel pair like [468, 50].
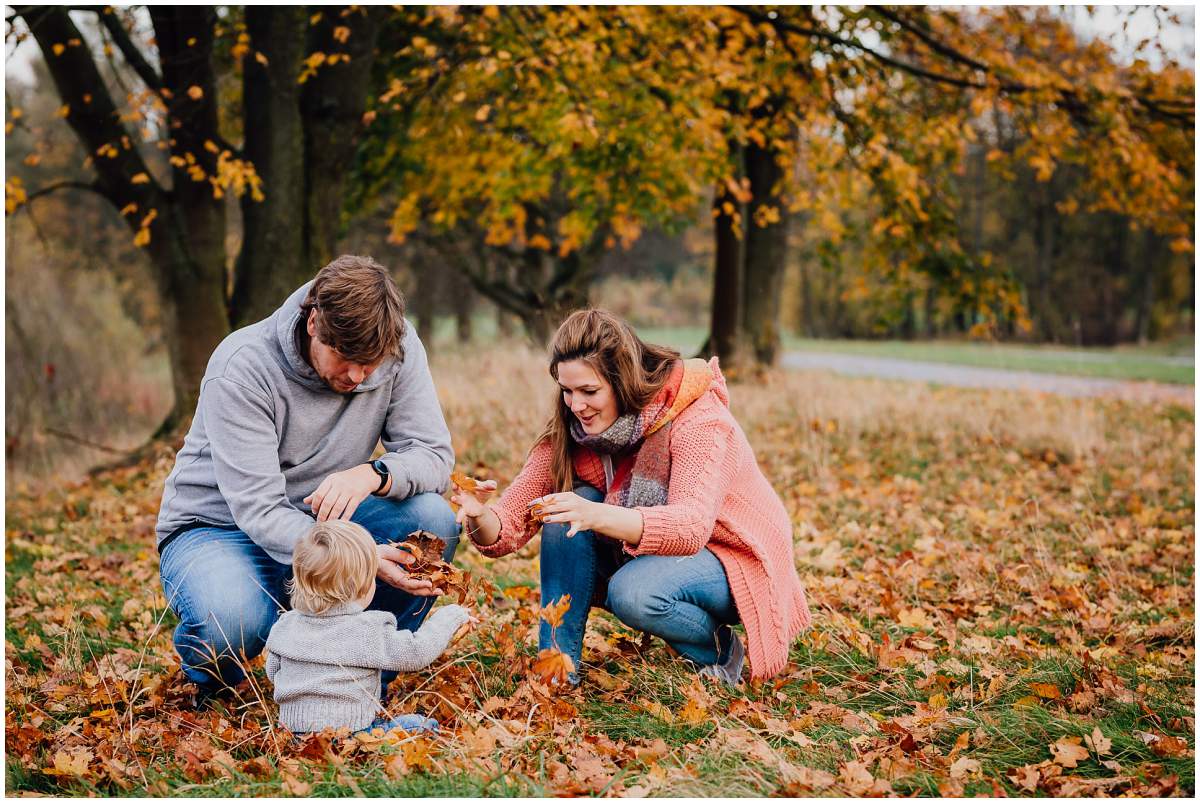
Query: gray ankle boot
[729, 671]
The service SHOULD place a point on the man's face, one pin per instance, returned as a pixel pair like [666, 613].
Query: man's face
[341, 375]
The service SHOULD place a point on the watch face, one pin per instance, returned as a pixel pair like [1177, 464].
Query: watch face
[380, 468]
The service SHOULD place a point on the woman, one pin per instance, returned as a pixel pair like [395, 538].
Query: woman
[653, 506]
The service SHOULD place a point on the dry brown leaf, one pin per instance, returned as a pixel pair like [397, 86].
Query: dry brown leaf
[1068, 751]
[428, 549]
[1027, 777]
[552, 667]
[963, 767]
[1098, 743]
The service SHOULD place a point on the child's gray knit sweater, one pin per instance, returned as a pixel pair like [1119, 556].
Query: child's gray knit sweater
[326, 668]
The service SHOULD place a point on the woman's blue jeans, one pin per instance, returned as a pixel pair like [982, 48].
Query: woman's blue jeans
[683, 600]
[228, 592]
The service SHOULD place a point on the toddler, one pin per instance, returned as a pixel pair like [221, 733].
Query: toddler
[326, 654]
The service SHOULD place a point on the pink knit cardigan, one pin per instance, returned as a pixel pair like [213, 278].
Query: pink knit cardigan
[717, 498]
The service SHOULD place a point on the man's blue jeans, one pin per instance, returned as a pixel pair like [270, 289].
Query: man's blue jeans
[683, 600]
[228, 592]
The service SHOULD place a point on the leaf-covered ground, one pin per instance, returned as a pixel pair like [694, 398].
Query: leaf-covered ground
[1002, 587]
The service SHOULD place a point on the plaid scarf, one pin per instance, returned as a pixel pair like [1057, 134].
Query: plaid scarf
[647, 431]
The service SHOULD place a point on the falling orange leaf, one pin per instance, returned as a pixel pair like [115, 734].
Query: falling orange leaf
[555, 611]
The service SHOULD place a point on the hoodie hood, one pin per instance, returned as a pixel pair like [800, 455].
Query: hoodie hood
[281, 327]
[718, 382]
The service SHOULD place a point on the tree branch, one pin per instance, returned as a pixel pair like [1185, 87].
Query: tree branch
[92, 114]
[66, 185]
[108, 16]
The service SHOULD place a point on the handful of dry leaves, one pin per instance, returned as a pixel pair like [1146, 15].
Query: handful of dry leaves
[428, 548]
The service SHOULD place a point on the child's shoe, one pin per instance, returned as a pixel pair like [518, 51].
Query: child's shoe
[413, 723]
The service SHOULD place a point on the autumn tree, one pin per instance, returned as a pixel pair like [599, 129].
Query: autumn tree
[296, 111]
[908, 91]
[523, 143]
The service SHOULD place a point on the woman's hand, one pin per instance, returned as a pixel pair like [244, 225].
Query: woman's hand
[470, 504]
[622, 523]
[571, 508]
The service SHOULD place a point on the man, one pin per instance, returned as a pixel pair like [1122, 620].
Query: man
[291, 409]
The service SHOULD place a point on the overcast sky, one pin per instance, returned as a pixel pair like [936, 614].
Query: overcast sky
[1179, 41]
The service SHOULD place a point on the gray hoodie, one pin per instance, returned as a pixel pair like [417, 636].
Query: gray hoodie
[268, 430]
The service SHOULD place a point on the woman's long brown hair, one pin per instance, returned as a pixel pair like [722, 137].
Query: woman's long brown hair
[606, 343]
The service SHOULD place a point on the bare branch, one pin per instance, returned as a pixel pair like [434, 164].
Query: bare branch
[108, 16]
[66, 185]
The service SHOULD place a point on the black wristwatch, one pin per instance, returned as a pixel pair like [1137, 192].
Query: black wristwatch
[381, 469]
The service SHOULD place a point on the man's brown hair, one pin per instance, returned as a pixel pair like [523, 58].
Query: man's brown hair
[360, 311]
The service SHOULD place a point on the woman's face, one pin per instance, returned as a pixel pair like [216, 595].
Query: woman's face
[587, 395]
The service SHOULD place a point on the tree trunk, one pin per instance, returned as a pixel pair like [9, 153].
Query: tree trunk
[505, 325]
[272, 262]
[463, 301]
[808, 309]
[429, 302]
[194, 319]
[1043, 239]
[1151, 253]
[765, 257]
[540, 289]
[185, 225]
[725, 325]
[302, 140]
[332, 104]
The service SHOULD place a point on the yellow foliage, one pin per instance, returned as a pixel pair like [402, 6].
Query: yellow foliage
[14, 194]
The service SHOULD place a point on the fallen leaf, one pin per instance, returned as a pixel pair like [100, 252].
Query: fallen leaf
[963, 767]
[1098, 743]
[552, 667]
[1027, 777]
[555, 611]
[1068, 751]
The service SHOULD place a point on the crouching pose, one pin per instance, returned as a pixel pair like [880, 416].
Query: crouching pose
[652, 504]
[290, 411]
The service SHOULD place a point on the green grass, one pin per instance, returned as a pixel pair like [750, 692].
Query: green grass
[1157, 362]
[1012, 592]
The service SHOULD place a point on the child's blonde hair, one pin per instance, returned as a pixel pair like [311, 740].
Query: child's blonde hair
[334, 562]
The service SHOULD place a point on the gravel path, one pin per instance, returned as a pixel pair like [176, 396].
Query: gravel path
[972, 377]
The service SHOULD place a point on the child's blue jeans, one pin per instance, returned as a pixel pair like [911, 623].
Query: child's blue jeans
[686, 600]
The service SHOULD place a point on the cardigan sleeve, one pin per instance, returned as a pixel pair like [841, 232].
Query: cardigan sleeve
[532, 481]
[702, 469]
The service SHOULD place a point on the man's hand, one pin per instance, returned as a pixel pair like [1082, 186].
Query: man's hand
[338, 495]
[391, 571]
